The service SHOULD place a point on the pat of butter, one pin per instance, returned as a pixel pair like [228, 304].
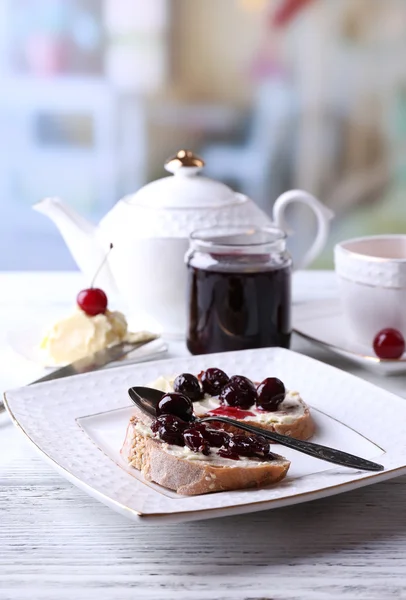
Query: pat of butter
[79, 335]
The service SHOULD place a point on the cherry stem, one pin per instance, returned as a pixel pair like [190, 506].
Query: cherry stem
[102, 265]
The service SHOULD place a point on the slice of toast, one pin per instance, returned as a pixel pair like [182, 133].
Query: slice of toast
[293, 417]
[191, 473]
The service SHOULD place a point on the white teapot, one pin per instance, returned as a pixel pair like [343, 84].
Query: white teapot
[150, 233]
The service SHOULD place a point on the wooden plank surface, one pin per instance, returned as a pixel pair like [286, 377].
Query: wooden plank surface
[56, 542]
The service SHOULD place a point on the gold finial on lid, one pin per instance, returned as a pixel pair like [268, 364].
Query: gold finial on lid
[184, 158]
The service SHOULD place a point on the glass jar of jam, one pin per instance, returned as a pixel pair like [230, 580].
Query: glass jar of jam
[239, 289]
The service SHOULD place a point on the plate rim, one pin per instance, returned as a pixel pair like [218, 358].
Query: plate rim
[184, 515]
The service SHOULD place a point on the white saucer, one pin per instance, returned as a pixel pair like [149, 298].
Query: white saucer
[25, 343]
[322, 322]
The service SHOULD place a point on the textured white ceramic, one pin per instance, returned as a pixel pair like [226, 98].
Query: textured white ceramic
[349, 413]
[323, 322]
[150, 231]
[372, 281]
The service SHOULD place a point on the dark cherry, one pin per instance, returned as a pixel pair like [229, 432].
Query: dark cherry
[229, 395]
[216, 437]
[243, 445]
[195, 441]
[246, 445]
[250, 446]
[268, 455]
[169, 429]
[92, 301]
[175, 404]
[189, 385]
[263, 446]
[389, 343]
[271, 393]
[240, 392]
[259, 443]
[245, 387]
[202, 427]
[227, 453]
[213, 380]
[169, 420]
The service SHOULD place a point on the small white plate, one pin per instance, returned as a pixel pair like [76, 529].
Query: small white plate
[322, 322]
[79, 425]
[25, 343]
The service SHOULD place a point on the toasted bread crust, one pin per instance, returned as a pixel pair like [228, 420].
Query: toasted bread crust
[302, 428]
[194, 477]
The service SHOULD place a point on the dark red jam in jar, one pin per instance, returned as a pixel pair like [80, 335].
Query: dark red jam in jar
[239, 289]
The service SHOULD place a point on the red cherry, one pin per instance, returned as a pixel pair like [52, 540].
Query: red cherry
[389, 343]
[92, 301]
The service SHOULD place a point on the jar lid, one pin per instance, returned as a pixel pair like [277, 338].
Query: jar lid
[236, 240]
[186, 188]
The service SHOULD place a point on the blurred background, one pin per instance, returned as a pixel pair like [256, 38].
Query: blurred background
[274, 94]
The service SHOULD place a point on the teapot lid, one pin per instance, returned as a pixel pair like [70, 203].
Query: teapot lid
[185, 188]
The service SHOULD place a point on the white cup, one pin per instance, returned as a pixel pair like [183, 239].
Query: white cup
[372, 279]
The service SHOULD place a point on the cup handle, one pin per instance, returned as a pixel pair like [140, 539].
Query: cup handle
[323, 215]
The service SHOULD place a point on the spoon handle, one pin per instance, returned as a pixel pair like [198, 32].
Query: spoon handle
[317, 450]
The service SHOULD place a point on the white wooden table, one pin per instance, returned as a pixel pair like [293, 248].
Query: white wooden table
[58, 543]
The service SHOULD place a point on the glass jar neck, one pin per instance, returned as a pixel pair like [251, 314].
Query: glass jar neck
[236, 241]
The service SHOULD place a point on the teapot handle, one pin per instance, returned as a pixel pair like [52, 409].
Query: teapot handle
[323, 216]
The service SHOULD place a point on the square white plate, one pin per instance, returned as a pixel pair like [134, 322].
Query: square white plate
[79, 424]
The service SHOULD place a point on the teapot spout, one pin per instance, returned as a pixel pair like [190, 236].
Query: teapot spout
[68, 221]
[80, 237]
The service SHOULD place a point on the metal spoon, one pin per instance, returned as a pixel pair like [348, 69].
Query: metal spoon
[147, 400]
